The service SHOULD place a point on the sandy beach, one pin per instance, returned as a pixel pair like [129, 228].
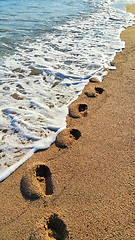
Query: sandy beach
[82, 186]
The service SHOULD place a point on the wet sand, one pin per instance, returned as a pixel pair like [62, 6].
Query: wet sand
[82, 186]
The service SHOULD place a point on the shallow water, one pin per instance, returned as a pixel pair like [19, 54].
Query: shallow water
[49, 50]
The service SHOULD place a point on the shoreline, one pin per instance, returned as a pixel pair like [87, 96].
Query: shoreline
[34, 149]
[90, 182]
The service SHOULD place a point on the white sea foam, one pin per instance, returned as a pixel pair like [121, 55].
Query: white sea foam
[44, 75]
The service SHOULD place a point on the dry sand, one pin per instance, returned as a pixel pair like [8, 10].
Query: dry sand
[85, 190]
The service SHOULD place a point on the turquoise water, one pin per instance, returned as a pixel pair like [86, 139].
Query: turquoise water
[21, 20]
[48, 52]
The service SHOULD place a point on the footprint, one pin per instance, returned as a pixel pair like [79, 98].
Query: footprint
[78, 110]
[67, 137]
[43, 175]
[99, 90]
[82, 107]
[36, 182]
[57, 227]
[93, 80]
[92, 91]
[97, 94]
[52, 229]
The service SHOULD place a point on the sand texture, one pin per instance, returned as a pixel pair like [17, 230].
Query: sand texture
[82, 186]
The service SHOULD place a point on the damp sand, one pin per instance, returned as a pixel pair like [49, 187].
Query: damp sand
[82, 186]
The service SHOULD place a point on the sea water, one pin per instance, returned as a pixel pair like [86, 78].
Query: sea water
[48, 52]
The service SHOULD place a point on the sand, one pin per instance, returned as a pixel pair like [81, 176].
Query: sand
[82, 186]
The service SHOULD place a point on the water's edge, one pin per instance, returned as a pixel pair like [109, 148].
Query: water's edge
[46, 143]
